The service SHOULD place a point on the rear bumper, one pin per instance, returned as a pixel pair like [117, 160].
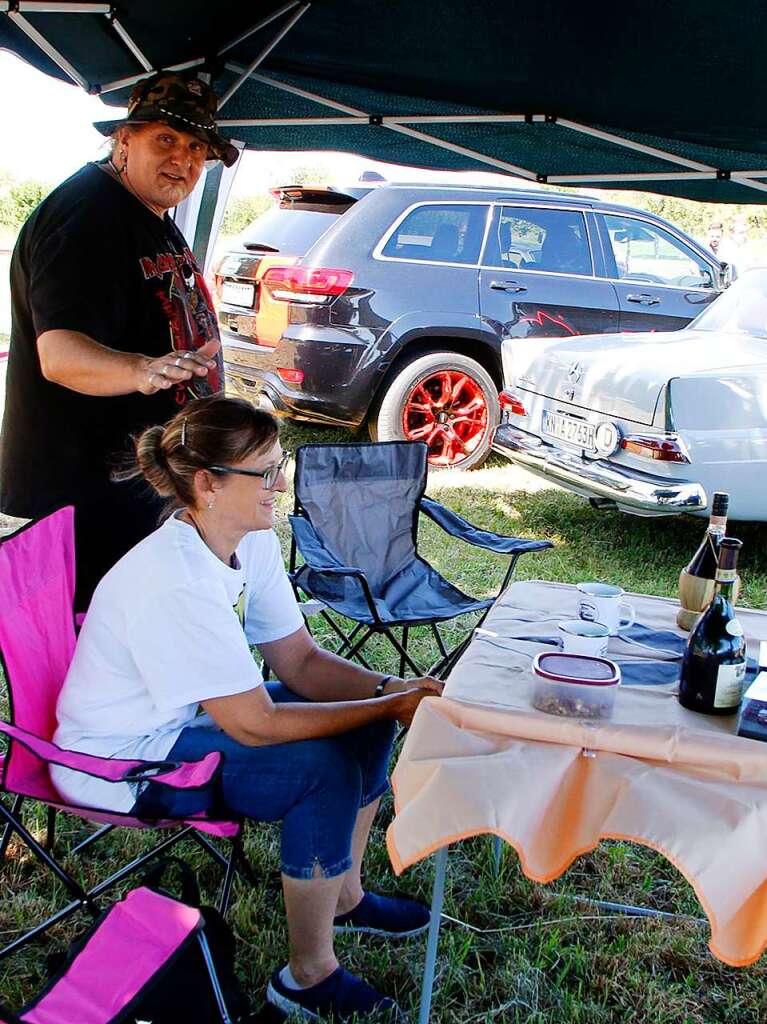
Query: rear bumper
[268, 391]
[636, 492]
[335, 390]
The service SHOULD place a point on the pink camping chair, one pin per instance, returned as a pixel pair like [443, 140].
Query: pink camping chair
[122, 956]
[37, 641]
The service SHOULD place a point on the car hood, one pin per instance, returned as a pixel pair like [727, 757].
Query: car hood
[623, 375]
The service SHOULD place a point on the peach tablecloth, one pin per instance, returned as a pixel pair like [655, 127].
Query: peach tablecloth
[482, 760]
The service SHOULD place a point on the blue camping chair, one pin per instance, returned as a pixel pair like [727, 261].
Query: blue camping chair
[355, 524]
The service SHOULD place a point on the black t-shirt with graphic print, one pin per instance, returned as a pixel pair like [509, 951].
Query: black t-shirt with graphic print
[92, 258]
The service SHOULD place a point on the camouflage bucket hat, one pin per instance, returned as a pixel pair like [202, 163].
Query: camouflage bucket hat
[184, 102]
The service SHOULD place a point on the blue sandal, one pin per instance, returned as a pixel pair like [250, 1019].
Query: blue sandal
[341, 996]
[393, 916]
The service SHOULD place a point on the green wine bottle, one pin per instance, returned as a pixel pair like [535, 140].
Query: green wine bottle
[714, 663]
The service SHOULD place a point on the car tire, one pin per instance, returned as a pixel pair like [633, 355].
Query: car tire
[446, 399]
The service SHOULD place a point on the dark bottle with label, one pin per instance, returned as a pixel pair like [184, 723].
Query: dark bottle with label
[704, 562]
[714, 663]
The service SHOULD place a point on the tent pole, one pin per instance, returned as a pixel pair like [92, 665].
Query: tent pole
[123, 83]
[39, 7]
[126, 38]
[215, 195]
[50, 51]
[758, 185]
[303, 93]
[285, 122]
[258, 26]
[303, 7]
[480, 157]
[638, 147]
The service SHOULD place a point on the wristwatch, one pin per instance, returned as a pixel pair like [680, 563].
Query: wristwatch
[379, 690]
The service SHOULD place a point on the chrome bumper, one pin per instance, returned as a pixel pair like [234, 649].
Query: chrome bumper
[638, 493]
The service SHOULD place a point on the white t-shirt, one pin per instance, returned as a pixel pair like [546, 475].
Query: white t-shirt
[168, 627]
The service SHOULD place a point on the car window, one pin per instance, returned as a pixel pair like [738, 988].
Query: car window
[647, 254]
[291, 229]
[444, 234]
[536, 239]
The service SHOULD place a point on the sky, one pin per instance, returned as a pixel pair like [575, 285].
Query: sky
[47, 133]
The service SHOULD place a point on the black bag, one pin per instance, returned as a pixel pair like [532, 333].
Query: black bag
[183, 992]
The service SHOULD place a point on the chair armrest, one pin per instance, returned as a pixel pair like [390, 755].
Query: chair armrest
[314, 552]
[177, 774]
[318, 559]
[457, 526]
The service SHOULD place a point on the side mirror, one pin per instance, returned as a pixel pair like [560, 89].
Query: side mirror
[727, 274]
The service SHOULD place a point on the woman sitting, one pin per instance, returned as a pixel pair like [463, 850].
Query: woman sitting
[163, 670]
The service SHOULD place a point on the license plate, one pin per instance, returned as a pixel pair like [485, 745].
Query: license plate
[569, 429]
[238, 293]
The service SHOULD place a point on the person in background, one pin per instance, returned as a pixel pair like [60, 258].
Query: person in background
[167, 637]
[112, 326]
[721, 244]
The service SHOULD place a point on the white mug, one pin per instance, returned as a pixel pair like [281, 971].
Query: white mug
[601, 602]
[579, 637]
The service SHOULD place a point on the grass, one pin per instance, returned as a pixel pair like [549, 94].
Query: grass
[524, 953]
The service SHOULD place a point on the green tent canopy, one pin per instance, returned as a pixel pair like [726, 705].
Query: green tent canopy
[668, 97]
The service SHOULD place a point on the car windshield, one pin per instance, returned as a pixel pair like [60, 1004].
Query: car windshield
[742, 309]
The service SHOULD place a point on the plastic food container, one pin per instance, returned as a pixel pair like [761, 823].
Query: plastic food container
[576, 685]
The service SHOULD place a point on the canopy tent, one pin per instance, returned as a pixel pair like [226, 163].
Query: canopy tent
[668, 97]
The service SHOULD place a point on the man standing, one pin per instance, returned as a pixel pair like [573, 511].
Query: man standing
[112, 325]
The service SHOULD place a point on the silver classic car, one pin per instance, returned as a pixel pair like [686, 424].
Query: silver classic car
[649, 423]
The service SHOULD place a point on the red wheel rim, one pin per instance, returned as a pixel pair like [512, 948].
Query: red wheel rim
[448, 410]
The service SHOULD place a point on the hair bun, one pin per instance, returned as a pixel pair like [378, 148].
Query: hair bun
[153, 462]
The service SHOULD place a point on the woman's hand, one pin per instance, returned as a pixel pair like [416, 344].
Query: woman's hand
[397, 685]
[408, 700]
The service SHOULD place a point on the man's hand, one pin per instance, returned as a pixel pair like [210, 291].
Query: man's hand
[77, 362]
[154, 375]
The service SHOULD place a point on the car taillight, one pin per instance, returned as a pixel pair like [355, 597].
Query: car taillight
[512, 402]
[664, 449]
[291, 376]
[306, 284]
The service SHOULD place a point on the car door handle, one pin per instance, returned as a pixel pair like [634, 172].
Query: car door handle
[645, 299]
[507, 286]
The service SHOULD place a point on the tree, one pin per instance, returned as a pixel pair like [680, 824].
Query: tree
[18, 200]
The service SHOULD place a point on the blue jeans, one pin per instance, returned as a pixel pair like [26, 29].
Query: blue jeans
[315, 787]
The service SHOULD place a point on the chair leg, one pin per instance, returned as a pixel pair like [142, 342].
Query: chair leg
[404, 652]
[406, 659]
[83, 900]
[8, 830]
[346, 640]
[231, 867]
[91, 839]
[354, 651]
[438, 638]
[210, 966]
[50, 828]
[42, 854]
[244, 867]
[509, 574]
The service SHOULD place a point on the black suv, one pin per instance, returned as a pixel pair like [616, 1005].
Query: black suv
[388, 305]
